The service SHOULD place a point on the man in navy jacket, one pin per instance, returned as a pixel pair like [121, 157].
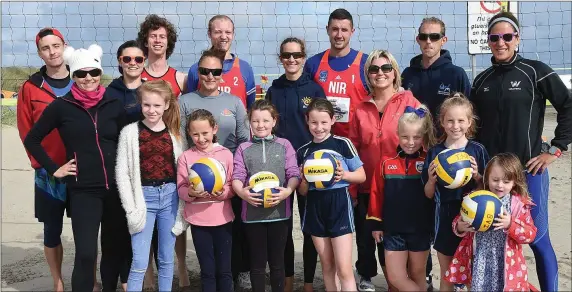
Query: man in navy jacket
[432, 76]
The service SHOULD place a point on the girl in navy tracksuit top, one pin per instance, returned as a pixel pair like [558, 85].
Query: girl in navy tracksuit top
[291, 94]
[458, 126]
[399, 213]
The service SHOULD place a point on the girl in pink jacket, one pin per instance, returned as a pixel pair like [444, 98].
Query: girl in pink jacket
[493, 260]
[210, 215]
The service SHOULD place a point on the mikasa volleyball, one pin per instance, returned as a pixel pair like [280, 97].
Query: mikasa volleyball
[453, 168]
[320, 168]
[207, 174]
[264, 183]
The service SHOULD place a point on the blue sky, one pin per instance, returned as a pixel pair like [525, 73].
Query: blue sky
[261, 26]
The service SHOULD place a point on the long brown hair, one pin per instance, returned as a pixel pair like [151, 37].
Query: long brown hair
[171, 116]
[458, 99]
[512, 168]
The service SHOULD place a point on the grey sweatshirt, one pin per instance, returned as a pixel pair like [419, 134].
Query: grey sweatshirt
[229, 113]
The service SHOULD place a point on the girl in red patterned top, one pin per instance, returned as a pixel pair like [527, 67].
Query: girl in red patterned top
[146, 177]
[493, 260]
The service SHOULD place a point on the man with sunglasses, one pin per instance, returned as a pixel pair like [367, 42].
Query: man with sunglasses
[340, 70]
[432, 76]
[50, 196]
[237, 74]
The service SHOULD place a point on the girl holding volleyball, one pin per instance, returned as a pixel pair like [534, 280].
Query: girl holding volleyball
[493, 260]
[266, 220]
[209, 214]
[458, 126]
[329, 216]
[146, 178]
[399, 214]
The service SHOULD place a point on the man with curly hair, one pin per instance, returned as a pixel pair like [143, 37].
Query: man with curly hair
[157, 37]
[237, 74]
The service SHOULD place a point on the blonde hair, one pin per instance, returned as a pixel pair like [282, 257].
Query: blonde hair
[427, 128]
[376, 54]
[458, 99]
[512, 168]
[171, 116]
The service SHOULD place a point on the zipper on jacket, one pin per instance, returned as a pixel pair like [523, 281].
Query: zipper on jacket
[76, 166]
[263, 151]
[96, 139]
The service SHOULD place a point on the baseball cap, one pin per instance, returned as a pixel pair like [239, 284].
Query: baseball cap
[48, 31]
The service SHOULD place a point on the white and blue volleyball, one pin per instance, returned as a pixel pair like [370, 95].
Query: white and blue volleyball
[453, 168]
[320, 168]
[265, 184]
[207, 174]
[480, 208]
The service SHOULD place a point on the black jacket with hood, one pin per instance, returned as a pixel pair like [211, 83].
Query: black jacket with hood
[90, 137]
[128, 97]
[510, 101]
[291, 99]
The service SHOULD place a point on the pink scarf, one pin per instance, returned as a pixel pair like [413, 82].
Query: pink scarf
[87, 99]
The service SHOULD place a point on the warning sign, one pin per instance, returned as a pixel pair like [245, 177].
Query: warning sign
[479, 14]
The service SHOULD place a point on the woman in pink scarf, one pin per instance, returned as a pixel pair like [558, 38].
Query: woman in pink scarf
[89, 122]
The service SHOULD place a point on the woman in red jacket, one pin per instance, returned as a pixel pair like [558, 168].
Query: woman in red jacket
[374, 134]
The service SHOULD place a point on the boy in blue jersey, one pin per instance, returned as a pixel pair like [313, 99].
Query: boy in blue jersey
[237, 74]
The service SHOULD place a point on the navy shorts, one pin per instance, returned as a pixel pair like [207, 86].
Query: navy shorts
[328, 213]
[446, 242]
[50, 203]
[414, 242]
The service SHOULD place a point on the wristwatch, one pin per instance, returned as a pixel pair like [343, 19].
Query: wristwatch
[555, 151]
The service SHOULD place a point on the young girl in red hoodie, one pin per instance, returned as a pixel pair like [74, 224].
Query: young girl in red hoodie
[493, 260]
[210, 215]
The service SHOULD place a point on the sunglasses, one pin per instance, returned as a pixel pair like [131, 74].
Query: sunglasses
[127, 59]
[507, 37]
[432, 36]
[83, 74]
[385, 68]
[288, 55]
[207, 71]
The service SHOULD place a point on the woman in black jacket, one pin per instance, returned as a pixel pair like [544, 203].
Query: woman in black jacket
[510, 100]
[291, 94]
[89, 122]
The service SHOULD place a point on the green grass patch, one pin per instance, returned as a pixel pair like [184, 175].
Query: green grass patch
[8, 116]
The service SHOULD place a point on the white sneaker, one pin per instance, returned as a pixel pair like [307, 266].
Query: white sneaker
[365, 285]
[243, 280]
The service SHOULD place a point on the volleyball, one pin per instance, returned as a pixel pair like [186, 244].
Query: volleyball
[320, 169]
[453, 168]
[207, 174]
[264, 183]
[480, 208]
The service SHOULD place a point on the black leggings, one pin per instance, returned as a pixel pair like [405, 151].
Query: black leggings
[266, 243]
[309, 253]
[92, 207]
[240, 257]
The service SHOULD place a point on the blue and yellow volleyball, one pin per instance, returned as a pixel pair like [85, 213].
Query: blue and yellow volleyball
[480, 208]
[207, 174]
[453, 168]
[264, 183]
[320, 168]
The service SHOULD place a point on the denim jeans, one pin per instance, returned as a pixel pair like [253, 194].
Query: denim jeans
[162, 205]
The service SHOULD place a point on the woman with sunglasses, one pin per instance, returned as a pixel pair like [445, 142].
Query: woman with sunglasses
[374, 134]
[88, 120]
[510, 100]
[291, 94]
[131, 64]
[228, 110]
